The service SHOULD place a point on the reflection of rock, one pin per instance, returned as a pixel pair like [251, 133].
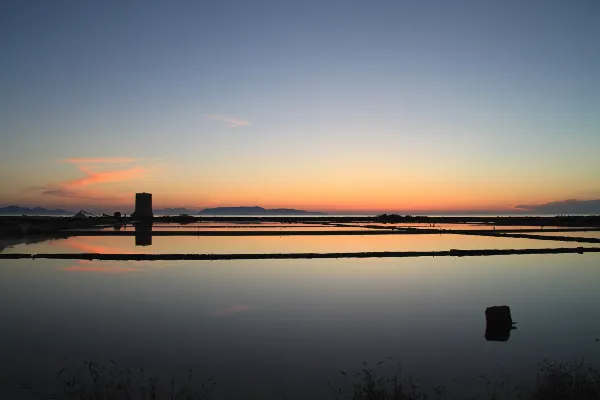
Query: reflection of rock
[498, 323]
[143, 234]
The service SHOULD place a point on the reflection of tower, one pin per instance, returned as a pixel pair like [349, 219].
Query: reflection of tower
[143, 234]
[498, 324]
[143, 206]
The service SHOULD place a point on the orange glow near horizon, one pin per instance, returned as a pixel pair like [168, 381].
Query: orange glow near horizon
[327, 202]
[111, 183]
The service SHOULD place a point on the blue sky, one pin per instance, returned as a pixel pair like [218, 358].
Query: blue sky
[385, 105]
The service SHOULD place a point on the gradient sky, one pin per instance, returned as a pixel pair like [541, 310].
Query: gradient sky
[321, 105]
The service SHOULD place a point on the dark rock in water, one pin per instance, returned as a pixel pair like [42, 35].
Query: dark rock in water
[498, 323]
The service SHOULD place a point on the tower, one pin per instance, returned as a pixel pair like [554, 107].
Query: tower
[143, 206]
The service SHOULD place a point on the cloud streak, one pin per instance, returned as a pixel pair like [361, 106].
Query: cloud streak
[113, 160]
[92, 177]
[231, 122]
[95, 171]
[59, 193]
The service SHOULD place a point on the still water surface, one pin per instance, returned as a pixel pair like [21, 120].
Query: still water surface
[284, 244]
[583, 234]
[264, 328]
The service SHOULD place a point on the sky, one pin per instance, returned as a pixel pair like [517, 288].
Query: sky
[362, 106]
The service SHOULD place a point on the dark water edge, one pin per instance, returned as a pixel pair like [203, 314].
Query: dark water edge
[289, 256]
[382, 380]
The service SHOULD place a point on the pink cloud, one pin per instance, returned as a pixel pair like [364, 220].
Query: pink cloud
[232, 122]
[96, 171]
[119, 175]
[114, 160]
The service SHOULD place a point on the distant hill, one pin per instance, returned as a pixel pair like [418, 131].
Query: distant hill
[564, 207]
[16, 210]
[255, 210]
[172, 211]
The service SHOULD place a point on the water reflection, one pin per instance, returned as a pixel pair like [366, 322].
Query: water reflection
[263, 328]
[278, 244]
[498, 324]
[143, 233]
[226, 312]
[99, 267]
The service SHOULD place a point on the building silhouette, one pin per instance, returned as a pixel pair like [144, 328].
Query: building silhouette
[143, 206]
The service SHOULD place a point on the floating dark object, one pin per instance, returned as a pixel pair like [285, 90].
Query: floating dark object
[498, 323]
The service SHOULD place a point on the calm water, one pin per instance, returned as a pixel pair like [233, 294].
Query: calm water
[284, 244]
[264, 328]
[584, 234]
[238, 228]
[461, 227]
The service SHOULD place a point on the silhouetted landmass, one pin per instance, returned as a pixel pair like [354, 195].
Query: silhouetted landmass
[255, 210]
[564, 207]
[558, 220]
[172, 211]
[18, 225]
[16, 210]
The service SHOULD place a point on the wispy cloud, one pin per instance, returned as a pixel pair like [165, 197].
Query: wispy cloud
[58, 193]
[95, 171]
[113, 160]
[92, 177]
[232, 122]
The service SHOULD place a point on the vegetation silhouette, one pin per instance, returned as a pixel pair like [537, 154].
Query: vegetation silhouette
[385, 380]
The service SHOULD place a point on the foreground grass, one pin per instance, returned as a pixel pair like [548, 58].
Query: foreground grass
[553, 381]
[567, 381]
[91, 381]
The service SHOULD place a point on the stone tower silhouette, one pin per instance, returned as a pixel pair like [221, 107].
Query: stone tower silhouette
[143, 206]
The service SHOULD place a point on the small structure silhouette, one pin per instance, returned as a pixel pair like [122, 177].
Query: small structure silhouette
[143, 206]
[498, 323]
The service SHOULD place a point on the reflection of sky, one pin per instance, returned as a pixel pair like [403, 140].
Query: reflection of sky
[588, 234]
[259, 323]
[241, 228]
[452, 226]
[284, 244]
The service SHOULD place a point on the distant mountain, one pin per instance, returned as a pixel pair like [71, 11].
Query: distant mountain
[255, 210]
[564, 207]
[171, 211]
[16, 210]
